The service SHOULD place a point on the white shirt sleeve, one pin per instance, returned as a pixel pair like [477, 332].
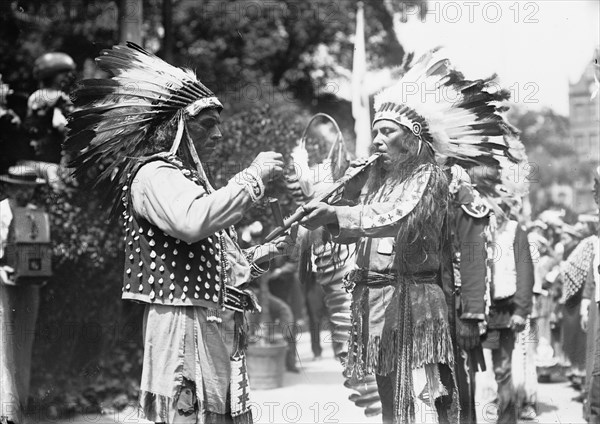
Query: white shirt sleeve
[162, 195]
[6, 217]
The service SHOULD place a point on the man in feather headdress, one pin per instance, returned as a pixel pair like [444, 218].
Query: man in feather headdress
[401, 329]
[465, 276]
[148, 125]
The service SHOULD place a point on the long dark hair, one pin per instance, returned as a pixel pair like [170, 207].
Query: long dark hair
[420, 233]
[419, 236]
[400, 171]
[162, 139]
[163, 136]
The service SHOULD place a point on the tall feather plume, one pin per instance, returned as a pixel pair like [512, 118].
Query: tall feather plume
[461, 119]
[503, 186]
[115, 118]
[300, 159]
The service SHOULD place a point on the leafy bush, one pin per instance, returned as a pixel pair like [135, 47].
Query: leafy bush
[87, 347]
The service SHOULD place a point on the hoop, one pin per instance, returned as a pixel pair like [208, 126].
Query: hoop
[339, 143]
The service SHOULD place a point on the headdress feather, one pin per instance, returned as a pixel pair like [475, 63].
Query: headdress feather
[460, 119]
[504, 185]
[116, 117]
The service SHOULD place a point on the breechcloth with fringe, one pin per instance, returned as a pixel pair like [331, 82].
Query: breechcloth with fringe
[399, 322]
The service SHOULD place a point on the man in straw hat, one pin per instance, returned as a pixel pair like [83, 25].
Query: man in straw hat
[402, 310]
[150, 123]
[18, 303]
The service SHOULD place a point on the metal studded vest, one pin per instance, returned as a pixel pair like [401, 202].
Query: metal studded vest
[162, 269]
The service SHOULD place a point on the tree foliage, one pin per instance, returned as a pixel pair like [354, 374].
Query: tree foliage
[229, 43]
[31, 28]
[545, 135]
[552, 157]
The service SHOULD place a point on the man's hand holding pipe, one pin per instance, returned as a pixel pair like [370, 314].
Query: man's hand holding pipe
[318, 214]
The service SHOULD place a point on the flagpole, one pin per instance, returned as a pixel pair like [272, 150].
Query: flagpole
[360, 97]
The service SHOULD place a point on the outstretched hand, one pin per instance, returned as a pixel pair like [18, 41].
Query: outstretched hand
[318, 214]
[267, 166]
[284, 245]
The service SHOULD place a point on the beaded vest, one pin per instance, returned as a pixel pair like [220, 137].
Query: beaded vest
[164, 270]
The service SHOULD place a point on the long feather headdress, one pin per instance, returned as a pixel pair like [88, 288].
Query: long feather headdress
[460, 119]
[115, 118]
[504, 186]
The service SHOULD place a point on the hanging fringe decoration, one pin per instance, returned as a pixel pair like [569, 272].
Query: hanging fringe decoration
[404, 399]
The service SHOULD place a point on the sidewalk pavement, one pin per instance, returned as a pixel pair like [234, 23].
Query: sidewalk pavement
[317, 396]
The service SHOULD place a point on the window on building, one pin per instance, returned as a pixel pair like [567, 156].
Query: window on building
[579, 110]
[594, 111]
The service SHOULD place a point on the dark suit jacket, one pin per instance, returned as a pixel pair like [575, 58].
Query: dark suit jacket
[466, 227]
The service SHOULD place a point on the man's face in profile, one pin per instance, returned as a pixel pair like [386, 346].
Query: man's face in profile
[204, 130]
[396, 142]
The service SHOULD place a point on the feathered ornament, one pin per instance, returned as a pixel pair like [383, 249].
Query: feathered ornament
[315, 180]
[302, 170]
[461, 120]
[329, 169]
[504, 186]
[117, 118]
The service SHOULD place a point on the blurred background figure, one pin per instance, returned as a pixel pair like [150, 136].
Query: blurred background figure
[285, 305]
[573, 338]
[14, 144]
[550, 358]
[276, 311]
[511, 291]
[323, 263]
[19, 292]
[544, 259]
[590, 321]
[47, 112]
[530, 341]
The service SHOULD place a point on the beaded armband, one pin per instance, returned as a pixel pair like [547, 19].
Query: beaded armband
[255, 270]
[252, 184]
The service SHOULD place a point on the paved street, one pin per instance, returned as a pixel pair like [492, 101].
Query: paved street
[316, 395]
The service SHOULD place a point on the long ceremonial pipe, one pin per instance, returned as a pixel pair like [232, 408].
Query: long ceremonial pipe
[300, 213]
